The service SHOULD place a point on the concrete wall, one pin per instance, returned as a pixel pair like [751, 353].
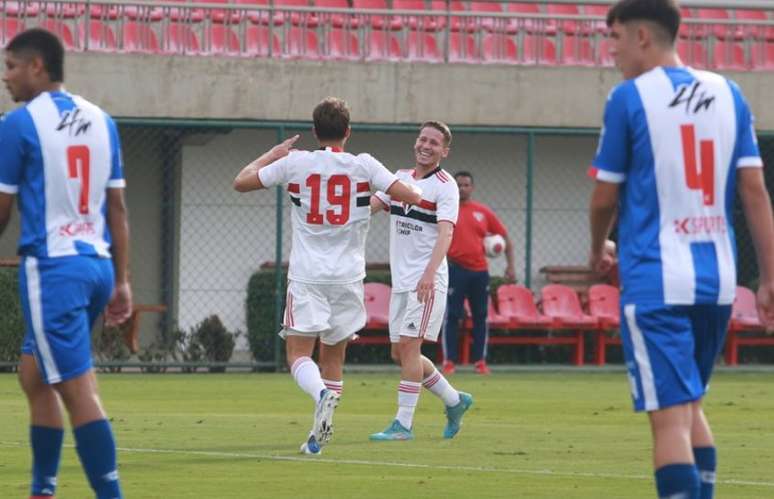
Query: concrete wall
[229, 88]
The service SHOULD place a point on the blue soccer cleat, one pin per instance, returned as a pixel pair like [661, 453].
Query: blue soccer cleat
[454, 415]
[311, 446]
[395, 431]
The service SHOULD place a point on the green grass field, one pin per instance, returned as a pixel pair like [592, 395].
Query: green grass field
[529, 435]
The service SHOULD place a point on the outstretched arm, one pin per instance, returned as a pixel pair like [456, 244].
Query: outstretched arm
[248, 179]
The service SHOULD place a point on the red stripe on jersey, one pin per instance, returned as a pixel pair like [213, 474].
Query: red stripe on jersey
[443, 178]
[363, 187]
[592, 172]
[427, 205]
[294, 188]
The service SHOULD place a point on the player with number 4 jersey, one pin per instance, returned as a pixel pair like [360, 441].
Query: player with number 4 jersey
[330, 192]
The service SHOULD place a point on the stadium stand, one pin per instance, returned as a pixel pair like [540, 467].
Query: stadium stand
[604, 306]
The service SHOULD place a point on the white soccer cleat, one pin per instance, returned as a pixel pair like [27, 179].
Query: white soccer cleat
[322, 431]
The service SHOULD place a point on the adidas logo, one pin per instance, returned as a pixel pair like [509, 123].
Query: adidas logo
[411, 326]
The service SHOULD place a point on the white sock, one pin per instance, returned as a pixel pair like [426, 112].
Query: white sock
[441, 388]
[408, 396]
[335, 386]
[307, 376]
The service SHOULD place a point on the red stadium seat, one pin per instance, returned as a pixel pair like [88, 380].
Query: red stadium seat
[336, 20]
[255, 16]
[301, 43]
[422, 47]
[382, 45]
[65, 10]
[377, 305]
[100, 37]
[104, 12]
[308, 19]
[744, 319]
[604, 57]
[221, 16]
[139, 38]
[517, 304]
[597, 10]
[61, 30]
[516, 25]
[257, 42]
[728, 55]
[562, 305]
[425, 23]
[756, 32]
[487, 23]
[462, 48]
[569, 27]
[454, 6]
[576, 50]
[187, 14]
[222, 40]
[692, 53]
[718, 30]
[762, 55]
[179, 38]
[8, 29]
[143, 13]
[378, 21]
[343, 44]
[19, 9]
[499, 48]
[539, 50]
[605, 306]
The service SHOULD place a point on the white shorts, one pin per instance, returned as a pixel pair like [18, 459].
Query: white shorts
[408, 317]
[332, 312]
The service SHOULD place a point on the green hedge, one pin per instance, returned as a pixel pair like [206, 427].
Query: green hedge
[11, 319]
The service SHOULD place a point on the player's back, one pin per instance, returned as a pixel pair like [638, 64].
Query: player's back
[66, 154]
[330, 191]
[687, 133]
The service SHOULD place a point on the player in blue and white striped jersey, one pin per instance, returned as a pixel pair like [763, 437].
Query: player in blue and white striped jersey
[676, 146]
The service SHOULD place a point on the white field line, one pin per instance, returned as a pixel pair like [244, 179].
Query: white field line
[361, 462]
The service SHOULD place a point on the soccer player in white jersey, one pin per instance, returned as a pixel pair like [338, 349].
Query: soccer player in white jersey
[330, 191]
[676, 146]
[61, 156]
[420, 236]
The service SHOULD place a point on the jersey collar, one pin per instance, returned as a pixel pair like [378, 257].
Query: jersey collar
[332, 149]
[433, 172]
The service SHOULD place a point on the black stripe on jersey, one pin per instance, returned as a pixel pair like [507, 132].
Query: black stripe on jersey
[296, 201]
[364, 201]
[416, 215]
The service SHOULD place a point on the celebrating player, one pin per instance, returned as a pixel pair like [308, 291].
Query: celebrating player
[419, 239]
[675, 144]
[61, 155]
[330, 191]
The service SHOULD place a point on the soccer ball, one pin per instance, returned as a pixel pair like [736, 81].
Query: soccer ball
[494, 245]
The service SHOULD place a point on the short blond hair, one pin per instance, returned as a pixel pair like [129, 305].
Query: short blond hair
[441, 127]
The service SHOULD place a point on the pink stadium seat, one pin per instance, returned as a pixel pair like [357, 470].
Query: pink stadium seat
[179, 38]
[539, 49]
[65, 10]
[19, 9]
[516, 25]
[693, 53]
[576, 50]
[454, 6]
[756, 32]
[257, 42]
[187, 14]
[597, 10]
[100, 36]
[104, 12]
[143, 13]
[604, 305]
[222, 40]
[422, 47]
[221, 16]
[301, 43]
[140, 38]
[61, 30]
[728, 55]
[308, 19]
[377, 305]
[378, 21]
[499, 48]
[562, 10]
[8, 29]
[382, 45]
[517, 304]
[562, 305]
[462, 48]
[744, 319]
[336, 20]
[425, 23]
[343, 44]
[709, 15]
[487, 23]
[255, 16]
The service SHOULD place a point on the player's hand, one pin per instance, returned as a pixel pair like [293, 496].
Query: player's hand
[601, 263]
[425, 287]
[283, 148]
[510, 274]
[120, 306]
[765, 303]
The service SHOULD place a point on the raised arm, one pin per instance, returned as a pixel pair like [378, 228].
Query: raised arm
[247, 180]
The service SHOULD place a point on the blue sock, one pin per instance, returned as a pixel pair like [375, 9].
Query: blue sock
[707, 462]
[46, 448]
[678, 481]
[97, 450]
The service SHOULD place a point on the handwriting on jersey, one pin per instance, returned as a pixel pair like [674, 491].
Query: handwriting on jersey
[693, 97]
[74, 122]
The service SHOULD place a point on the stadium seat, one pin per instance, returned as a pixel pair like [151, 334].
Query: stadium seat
[499, 48]
[422, 47]
[686, 28]
[493, 320]
[569, 27]
[104, 12]
[455, 6]
[728, 55]
[462, 48]
[65, 10]
[382, 46]
[221, 16]
[605, 307]
[692, 53]
[139, 38]
[530, 25]
[762, 55]
[300, 43]
[423, 23]
[306, 19]
[222, 40]
[377, 305]
[143, 13]
[378, 21]
[603, 55]
[187, 14]
[100, 37]
[179, 38]
[576, 50]
[597, 10]
[755, 32]
[343, 44]
[19, 9]
[257, 42]
[517, 304]
[336, 20]
[721, 31]
[8, 29]
[561, 304]
[61, 30]
[255, 16]
[487, 23]
[539, 49]
[744, 328]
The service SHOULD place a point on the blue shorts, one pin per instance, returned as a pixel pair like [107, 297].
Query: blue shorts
[670, 351]
[61, 298]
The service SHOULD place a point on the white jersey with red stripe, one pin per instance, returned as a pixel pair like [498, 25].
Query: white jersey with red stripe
[330, 191]
[414, 229]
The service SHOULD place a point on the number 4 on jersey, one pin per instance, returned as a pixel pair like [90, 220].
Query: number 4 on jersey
[699, 179]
